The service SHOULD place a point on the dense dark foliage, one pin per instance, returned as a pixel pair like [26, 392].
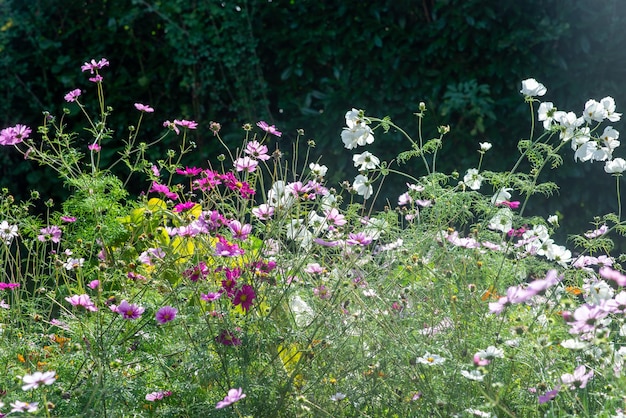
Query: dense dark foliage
[302, 64]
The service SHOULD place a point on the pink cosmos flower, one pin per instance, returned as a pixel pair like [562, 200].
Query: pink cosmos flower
[597, 232]
[33, 381]
[72, 95]
[269, 129]
[52, 233]
[94, 284]
[211, 296]
[246, 164]
[96, 79]
[240, 231]
[157, 396]
[128, 310]
[198, 272]
[189, 124]
[322, 292]
[360, 238]
[143, 108]
[549, 395]
[579, 379]
[92, 66]
[233, 396]
[264, 212]
[610, 274]
[82, 300]
[94, 147]
[244, 297]
[14, 135]
[68, 219]
[257, 151]
[585, 318]
[166, 314]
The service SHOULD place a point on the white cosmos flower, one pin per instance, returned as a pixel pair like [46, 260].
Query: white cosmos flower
[502, 221]
[431, 359]
[357, 133]
[318, 170]
[472, 179]
[609, 105]
[531, 87]
[365, 161]
[485, 146]
[362, 186]
[615, 166]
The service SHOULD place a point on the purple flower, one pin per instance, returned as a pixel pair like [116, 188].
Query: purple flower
[72, 95]
[52, 233]
[94, 284]
[269, 129]
[129, 311]
[166, 314]
[549, 395]
[68, 219]
[233, 396]
[198, 272]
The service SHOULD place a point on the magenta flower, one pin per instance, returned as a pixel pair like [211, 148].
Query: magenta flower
[233, 396]
[198, 272]
[96, 79]
[143, 108]
[82, 300]
[226, 249]
[166, 314]
[322, 292]
[94, 147]
[160, 188]
[14, 135]
[52, 233]
[190, 172]
[4, 286]
[244, 297]
[228, 338]
[181, 207]
[269, 129]
[72, 95]
[94, 284]
[92, 66]
[129, 311]
[359, 238]
[68, 219]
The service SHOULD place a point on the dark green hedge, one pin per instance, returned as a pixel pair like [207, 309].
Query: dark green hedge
[302, 64]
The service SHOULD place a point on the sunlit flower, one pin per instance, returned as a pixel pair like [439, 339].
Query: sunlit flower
[365, 161]
[431, 359]
[19, 406]
[615, 166]
[157, 396]
[228, 338]
[357, 133]
[82, 300]
[337, 397]
[485, 146]
[246, 164]
[7, 232]
[473, 375]
[52, 233]
[473, 179]
[233, 396]
[318, 170]
[33, 381]
[531, 87]
[363, 186]
[578, 379]
[14, 135]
